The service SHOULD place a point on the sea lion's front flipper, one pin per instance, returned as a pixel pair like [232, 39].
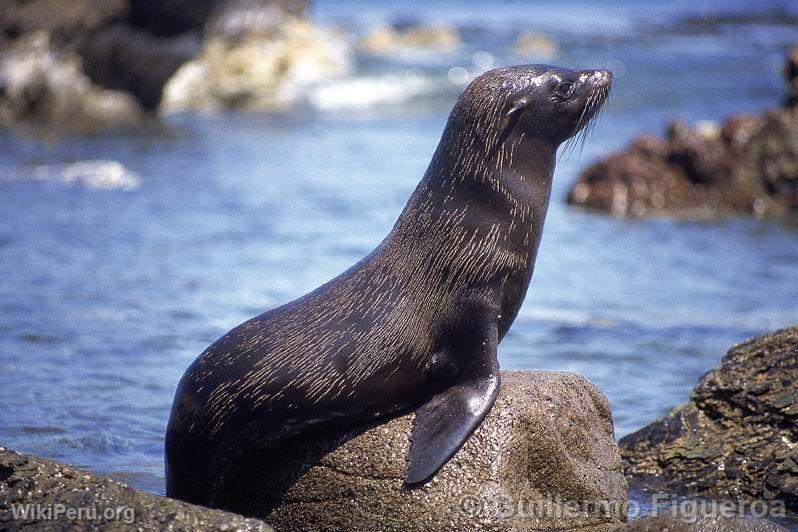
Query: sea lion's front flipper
[444, 423]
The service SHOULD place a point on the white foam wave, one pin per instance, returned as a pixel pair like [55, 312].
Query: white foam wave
[94, 173]
[371, 91]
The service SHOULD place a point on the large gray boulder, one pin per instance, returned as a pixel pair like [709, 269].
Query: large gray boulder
[737, 437]
[545, 457]
[52, 494]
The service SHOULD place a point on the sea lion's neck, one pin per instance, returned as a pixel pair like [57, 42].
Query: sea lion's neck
[495, 201]
[509, 183]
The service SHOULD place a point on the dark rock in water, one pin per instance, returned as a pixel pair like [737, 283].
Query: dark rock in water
[544, 458]
[167, 18]
[65, 21]
[747, 166]
[791, 77]
[737, 438]
[701, 524]
[49, 491]
[123, 58]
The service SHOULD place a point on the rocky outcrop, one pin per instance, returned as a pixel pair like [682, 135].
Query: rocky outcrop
[702, 524]
[747, 166]
[42, 86]
[169, 18]
[737, 438]
[545, 457]
[106, 61]
[123, 58]
[38, 494]
[248, 54]
[264, 68]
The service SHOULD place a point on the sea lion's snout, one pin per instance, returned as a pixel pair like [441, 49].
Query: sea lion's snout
[595, 80]
[600, 78]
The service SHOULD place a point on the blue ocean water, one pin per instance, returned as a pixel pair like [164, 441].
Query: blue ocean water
[108, 291]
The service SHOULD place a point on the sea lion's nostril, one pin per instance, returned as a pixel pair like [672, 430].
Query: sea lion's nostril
[602, 77]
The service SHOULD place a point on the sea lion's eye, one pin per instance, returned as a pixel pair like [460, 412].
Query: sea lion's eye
[565, 89]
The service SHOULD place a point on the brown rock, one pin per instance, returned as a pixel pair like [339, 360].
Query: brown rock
[772, 156]
[747, 166]
[545, 457]
[737, 437]
[28, 482]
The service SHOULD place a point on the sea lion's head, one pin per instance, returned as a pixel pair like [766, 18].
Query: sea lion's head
[541, 102]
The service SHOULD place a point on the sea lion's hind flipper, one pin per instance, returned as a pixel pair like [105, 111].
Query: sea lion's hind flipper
[443, 425]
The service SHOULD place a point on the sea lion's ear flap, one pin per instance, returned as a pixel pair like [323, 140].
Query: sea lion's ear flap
[516, 108]
[512, 115]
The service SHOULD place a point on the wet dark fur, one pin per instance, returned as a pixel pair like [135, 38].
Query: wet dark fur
[395, 329]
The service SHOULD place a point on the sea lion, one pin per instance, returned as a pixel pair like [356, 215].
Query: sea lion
[415, 324]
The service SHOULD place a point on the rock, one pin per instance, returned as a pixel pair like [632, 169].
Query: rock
[791, 77]
[747, 166]
[407, 38]
[28, 483]
[136, 46]
[64, 21]
[45, 87]
[771, 157]
[547, 443]
[536, 45]
[168, 18]
[257, 72]
[120, 57]
[701, 524]
[737, 438]
[143, 54]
